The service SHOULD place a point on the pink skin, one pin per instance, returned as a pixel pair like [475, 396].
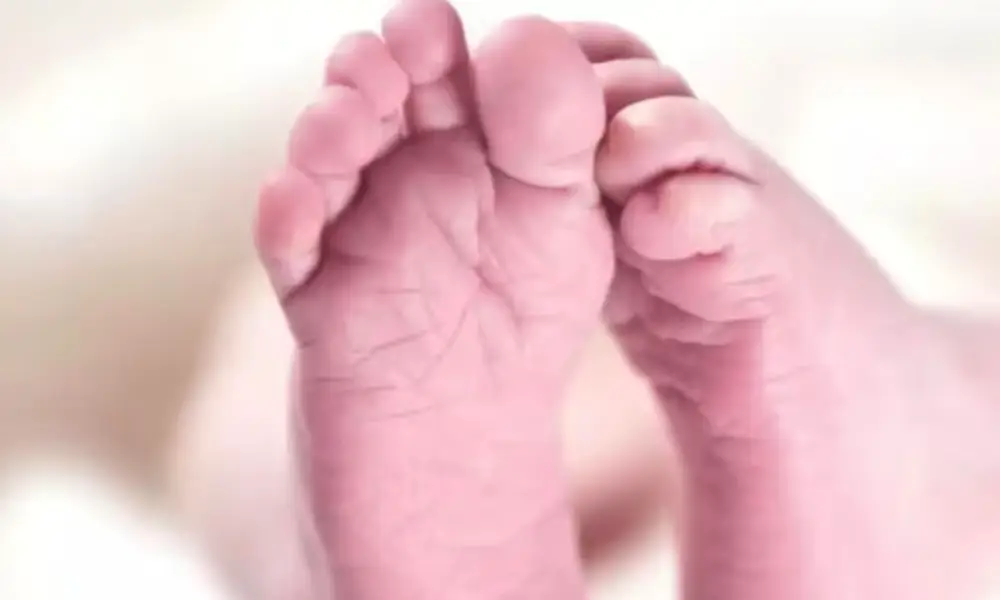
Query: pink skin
[232, 439]
[440, 304]
[832, 435]
[441, 255]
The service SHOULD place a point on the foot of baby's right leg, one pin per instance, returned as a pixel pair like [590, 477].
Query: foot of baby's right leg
[442, 256]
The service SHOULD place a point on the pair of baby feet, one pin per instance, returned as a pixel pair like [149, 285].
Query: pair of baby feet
[446, 235]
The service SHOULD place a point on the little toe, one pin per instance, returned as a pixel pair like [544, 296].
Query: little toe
[335, 136]
[427, 40]
[540, 104]
[363, 61]
[291, 214]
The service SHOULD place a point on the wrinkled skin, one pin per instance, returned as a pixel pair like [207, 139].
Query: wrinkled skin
[232, 445]
[442, 253]
[453, 291]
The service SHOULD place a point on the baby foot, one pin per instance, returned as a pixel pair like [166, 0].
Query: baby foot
[441, 255]
[829, 432]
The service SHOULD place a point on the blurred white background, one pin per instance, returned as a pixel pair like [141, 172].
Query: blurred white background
[133, 134]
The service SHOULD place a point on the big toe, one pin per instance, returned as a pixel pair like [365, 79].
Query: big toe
[540, 103]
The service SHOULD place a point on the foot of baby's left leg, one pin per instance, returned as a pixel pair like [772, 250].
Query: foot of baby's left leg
[834, 442]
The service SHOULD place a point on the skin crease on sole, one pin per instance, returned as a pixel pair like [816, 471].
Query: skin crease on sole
[442, 255]
[813, 462]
